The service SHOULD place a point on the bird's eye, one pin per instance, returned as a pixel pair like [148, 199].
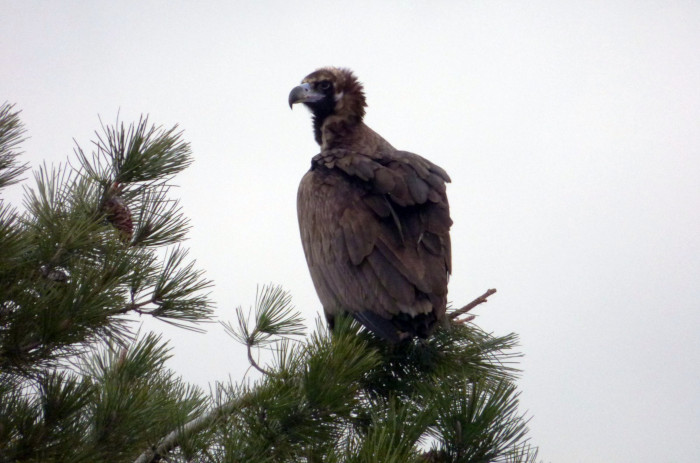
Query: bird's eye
[324, 85]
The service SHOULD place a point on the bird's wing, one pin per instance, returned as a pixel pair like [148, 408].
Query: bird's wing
[376, 233]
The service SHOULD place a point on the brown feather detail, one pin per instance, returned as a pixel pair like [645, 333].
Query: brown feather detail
[379, 205]
[359, 234]
[397, 221]
[384, 180]
[374, 223]
[407, 262]
[418, 189]
[393, 281]
[432, 243]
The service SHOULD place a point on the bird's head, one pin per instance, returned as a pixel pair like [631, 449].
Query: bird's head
[331, 91]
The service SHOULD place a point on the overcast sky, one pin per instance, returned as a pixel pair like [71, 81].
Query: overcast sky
[570, 131]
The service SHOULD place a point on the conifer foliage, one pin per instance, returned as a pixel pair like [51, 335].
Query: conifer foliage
[98, 242]
[75, 382]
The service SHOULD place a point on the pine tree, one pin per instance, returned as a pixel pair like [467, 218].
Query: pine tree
[99, 240]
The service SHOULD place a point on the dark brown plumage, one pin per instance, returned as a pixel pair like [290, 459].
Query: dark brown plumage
[374, 220]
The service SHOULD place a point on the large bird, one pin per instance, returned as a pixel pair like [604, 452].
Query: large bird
[374, 220]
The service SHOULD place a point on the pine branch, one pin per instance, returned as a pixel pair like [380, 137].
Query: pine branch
[479, 300]
[63, 255]
[11, 136]
[254, 364]
[138, 153]
[275, 319]
[174, 438]
[340, 395]
[133, 307]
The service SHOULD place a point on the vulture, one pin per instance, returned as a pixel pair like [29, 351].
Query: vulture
[374, 220]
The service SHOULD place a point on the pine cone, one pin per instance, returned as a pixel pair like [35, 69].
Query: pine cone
[53, 274]
[119, 215]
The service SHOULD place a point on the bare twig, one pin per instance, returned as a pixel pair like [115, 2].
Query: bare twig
[479, 300]
[175, 438]
[133, 307]
[253, 363]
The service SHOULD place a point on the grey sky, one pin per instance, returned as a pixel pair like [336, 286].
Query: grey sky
[570, 131]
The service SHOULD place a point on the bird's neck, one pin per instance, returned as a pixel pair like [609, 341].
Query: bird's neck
[340, 133]
[334, 130]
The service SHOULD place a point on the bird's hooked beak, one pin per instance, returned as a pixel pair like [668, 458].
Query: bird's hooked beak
[304, 94]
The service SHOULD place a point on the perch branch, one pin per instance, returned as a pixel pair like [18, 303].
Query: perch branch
[479, 300]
